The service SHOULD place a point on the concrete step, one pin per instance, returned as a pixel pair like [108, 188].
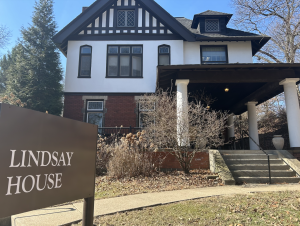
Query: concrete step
[252, 161]
[258, 167]
[241, 152]
[263, 173]
[248, 156]
[265, 180]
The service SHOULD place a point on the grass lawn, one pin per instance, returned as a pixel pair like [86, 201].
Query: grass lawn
[107, 187]
[276, 208]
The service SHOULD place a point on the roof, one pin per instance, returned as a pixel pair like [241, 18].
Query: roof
[181, 25]
[230, 35]
[98, 6]
[213, 13]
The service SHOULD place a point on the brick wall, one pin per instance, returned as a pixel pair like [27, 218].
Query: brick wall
[120, 111]
[297, 155]
[200, 161]
[73, 107]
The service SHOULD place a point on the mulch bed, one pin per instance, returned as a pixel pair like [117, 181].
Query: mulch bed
[107, 187]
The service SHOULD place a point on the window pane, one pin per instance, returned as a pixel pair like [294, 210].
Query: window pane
[164, 60]
[95, 118]
[164, 49]
[112, 65]
[130, 18]
[137, 50]
[95, 105]
[212, 25]
[85, 66]
[113, 49]
[136, 66]
[121, 18]
[212, 54]
[86, 50]
[124, 65]
[125, 49]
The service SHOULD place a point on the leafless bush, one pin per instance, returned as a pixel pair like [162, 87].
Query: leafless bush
[12, 100]
[200, 130]
[128, 156]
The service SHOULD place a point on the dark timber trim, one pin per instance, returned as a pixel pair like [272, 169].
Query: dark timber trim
[102, 94]
[84, 19]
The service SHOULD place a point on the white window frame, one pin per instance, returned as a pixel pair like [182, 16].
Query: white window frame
[143, 111]
[94, 110]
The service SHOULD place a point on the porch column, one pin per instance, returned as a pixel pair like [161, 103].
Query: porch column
[182, 112]
[252, 121]
[230, 123]
[292, 110]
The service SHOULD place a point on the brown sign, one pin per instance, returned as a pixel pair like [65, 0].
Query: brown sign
[44, 160]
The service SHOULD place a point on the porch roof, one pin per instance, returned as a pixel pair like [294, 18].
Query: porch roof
[246, 82]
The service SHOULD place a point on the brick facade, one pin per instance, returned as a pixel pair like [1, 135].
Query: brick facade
[73, 106]
[120, 110]
[200, 161]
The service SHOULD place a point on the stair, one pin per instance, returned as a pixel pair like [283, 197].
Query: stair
[251, 167]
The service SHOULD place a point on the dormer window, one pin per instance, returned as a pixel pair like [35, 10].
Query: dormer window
[126, 18]
[212, 25]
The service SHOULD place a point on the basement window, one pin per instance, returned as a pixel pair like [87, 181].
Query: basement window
[94, 113]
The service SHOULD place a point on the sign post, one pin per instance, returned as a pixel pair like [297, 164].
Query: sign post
[45, 160]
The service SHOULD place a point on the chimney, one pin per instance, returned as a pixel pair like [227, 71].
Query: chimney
[84, 8]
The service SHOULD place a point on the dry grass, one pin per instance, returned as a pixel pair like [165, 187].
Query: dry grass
[108, 187]
[276, 208]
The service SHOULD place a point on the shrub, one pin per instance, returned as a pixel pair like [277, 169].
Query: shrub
[129, 156]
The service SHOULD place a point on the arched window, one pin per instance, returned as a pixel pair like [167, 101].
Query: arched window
[164, 55]
[85, 62]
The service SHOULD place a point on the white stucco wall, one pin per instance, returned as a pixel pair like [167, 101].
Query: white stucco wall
[99, 84]
[238, 52]
[181, 53]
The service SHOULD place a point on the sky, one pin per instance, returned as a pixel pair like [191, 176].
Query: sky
[17, 13]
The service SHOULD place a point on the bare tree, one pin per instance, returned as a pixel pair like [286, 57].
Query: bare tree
[279, 19]
[201, 130]
[5, 34]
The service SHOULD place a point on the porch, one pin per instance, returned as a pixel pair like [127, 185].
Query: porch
[247, 85]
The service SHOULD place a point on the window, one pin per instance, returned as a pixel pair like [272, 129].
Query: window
[126, 18]
[94, 112]
[212, 25]
[164, 55]
[144, 108]
[214, 55]
[124, 61]
[85, 62]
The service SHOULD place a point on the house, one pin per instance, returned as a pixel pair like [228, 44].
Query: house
[118, 50]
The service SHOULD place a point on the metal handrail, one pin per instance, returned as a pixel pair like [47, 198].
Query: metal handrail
[269, 167]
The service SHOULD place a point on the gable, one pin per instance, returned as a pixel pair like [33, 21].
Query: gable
[100, 22]
[114, 19]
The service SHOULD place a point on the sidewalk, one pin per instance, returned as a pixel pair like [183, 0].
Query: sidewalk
[65, 214]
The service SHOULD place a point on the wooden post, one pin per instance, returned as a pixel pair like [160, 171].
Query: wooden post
[88, 212]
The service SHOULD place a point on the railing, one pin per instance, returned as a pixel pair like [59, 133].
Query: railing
[107, 131]
[269, 167]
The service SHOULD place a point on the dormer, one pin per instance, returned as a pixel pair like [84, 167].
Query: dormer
[211, 22]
